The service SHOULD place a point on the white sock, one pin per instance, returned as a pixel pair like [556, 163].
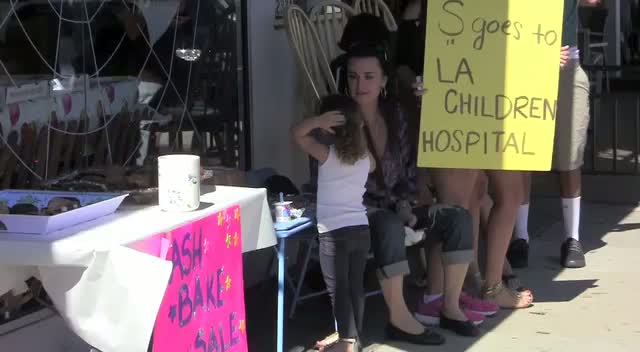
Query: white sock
[571, 214]
[430, 298]
[522, 222]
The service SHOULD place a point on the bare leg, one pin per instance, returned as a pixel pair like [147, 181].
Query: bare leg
[485, 211]
[570, 183]
[508, 191]
[474, 278]
[508, 197]
[399, 314]
[453, 280]
[454, 186]
[435, 270]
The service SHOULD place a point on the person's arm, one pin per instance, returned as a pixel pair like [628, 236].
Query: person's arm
[301, 133]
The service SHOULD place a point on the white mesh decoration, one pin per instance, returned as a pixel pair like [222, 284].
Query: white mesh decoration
[63, 78]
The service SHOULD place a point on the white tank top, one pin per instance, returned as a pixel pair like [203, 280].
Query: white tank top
[340, 190]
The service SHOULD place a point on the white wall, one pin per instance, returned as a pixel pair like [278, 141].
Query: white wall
[276, 101]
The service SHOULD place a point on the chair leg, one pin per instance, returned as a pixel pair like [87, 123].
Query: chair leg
[281, 265]
[180, 141]
[300, 282]
[199, 143]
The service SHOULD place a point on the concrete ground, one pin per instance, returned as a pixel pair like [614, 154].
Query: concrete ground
[590, 309]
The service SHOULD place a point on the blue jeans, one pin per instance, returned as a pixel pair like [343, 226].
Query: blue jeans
[453, 226]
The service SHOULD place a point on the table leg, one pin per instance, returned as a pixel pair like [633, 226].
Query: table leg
[303, 273]
[281, 289]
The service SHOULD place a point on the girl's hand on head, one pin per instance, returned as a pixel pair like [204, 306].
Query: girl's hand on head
[331, 119]
[564, 55]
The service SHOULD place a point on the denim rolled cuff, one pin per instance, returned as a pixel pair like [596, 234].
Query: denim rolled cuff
[457, 257]
[392, 270]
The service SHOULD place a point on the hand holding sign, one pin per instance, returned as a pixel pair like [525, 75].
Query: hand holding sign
[418, 87]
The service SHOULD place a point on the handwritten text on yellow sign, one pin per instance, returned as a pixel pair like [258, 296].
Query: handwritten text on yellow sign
[491, 70]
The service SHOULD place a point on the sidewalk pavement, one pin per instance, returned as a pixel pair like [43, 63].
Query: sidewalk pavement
[589, 309]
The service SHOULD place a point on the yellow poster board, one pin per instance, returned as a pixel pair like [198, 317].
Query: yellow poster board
[491, 71]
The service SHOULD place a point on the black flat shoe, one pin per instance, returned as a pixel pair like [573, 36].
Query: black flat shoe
[572, 255]
[518, 254]
[463, 328]
[428, 337]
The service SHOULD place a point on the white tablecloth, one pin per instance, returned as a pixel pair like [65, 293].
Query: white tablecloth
[108, 293]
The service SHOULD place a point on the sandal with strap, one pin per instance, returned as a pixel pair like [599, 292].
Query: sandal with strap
[348, 342]
[327, 342]
[518, 299]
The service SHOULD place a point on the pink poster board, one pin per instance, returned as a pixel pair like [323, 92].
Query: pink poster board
[203, 306]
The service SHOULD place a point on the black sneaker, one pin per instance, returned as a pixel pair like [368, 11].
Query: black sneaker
[571, 254]
[518, 253]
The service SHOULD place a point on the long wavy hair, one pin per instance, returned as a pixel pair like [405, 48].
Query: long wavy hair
[349, 138]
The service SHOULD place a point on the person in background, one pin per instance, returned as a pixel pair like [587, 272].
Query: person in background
[341, 216]
[410, 61]
[568, 154]
[458, 187]
[464, 187]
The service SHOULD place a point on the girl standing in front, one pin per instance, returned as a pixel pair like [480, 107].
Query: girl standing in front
[342, 218]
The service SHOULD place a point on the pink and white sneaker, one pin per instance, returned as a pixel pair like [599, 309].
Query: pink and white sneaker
[429, 313]
[477, 305]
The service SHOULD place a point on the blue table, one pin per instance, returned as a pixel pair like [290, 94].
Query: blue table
[284, 231]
